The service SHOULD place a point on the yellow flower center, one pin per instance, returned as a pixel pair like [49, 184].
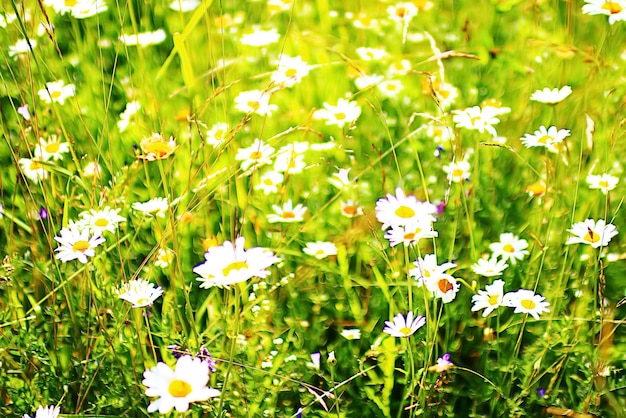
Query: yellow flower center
[528, 304]
[219, 134]
[340, 116]
[179, 388]
[34, 165]
[319, 252]
[508, 248]
[55, 94]
[142, 302]
[409, 236]
[70, 3]
[536, 189]
[236, 265]
[391, 87]
[546, 139]
[53, 147]
[159, 149]
[291, 72]
[400, 11]
[443, 93]
[405, 212]
[493, 300]
[612, 7]
[444, 285]
[591, 236]
[405, 331]
[288, 215]
[349, 210]
[457, 172]
[254, 105]
[603, 184]
[81, 246]
[102, 222]
[256, 155]
[268, 182]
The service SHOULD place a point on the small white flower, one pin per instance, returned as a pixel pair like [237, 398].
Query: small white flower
[614, 9]
[260, 37]
[255, 101]
[595, 233]
[411, 233]
[477, 118]
[402, 327]
[256, 155]
[510, 248]
[46, 412]
[139, 292]
[22, 47]
[76, 244]
[184, 5]
[490, 267]
[153, 207]
[458, 171]
[287, 213]
[551, 96]
[320, 249]
[489, 299]
[344, 112]
[526, 301]
[144, 39]
[351, 334]
[443, 286]
[99, 221]
[371, 54]
[56, 92]
[179, 387]
[400, 210]
[604, 182]
[269, 182]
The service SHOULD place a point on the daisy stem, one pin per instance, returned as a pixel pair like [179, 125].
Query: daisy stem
[231, 351]
[409, 284]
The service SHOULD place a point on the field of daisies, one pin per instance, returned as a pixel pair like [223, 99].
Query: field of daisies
[312, 208]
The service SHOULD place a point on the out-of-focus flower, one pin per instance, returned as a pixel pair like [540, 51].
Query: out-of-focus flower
[551, 96]
[144, 39]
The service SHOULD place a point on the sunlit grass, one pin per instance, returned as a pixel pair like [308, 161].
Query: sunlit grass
[324, 135]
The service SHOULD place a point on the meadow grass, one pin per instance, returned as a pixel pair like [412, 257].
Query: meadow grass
[298, 329]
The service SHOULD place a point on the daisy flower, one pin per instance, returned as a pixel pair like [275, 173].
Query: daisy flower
[458, 171]
[144, 39]
[365, 81]
[402, 11]
[289, 162]
[399, 68]
[320, 249]
[23, 111]
[87, 8]
[510, 248]
[269, 182]
[364, 21]
[290, 71]
[139, 292]
[350, 208]
[164, 257]
[551, 96]
[92, 169]
[257, 154]
[344, 112]
[402, 327]
[489, 299]
[56, 92]
[227, 264]
[275, 6]
[341, 179]
[98, 221]
[45, 412]
[156, 147]
[551, 138]
[595, 233]
[401, 210]
[526, 301]
[154, 207]
[52, 149]
[494, 106]
[33, 169]
[445, 93]
[614, 9]
[604, 182]
[287, 213]
[411, 233]
[184, 5]
[260, 37]
[428, 270]
[490, 267]
[179, 387]
[76, 244]
[127, 116]
[476, 118]
[443, 286]
[390, 88]
[21, 47]
[351, 334]
[371, 54]
[255, 101]
[217, 134]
